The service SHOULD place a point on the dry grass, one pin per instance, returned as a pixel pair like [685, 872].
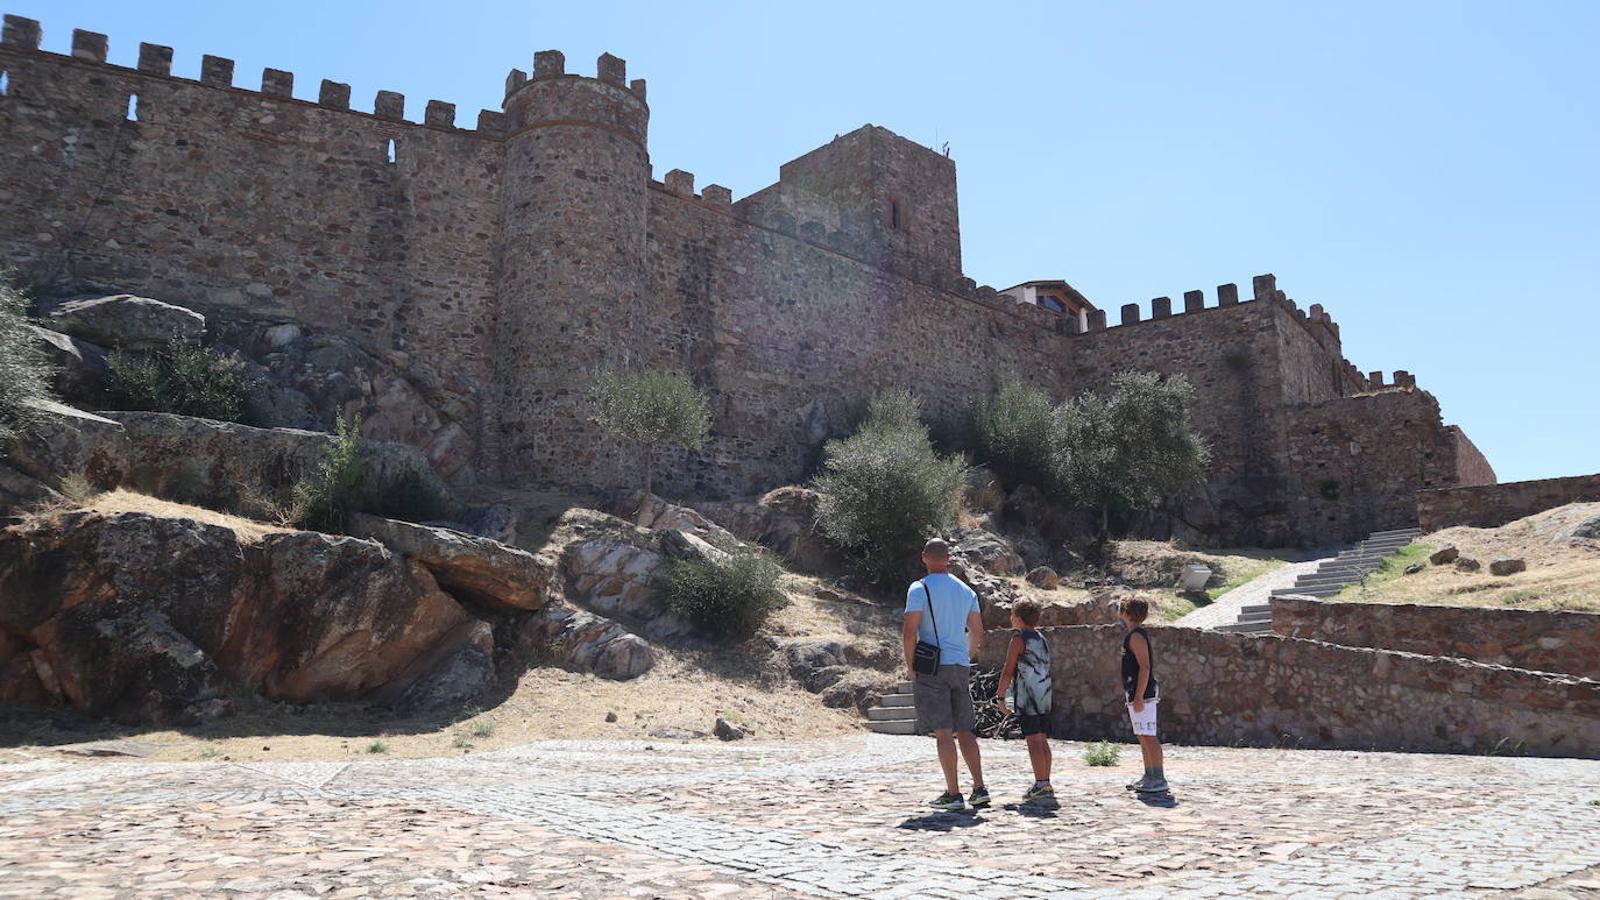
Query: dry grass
[121, 501]
[1562, 573]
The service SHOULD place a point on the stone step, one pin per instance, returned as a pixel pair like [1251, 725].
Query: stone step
[1331, 581]
[1265, 618]
[891, 713]
[903, 687]
[1307, 592]
[909, 726]
[1256, 607]
[897, 700]
[1398, 532]
[1247, 628]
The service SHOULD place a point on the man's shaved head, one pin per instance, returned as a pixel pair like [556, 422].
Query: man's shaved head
[936, 548]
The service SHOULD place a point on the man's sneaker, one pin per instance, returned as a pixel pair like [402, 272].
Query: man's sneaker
[1154, 786]
[1038, 791]
[979, 798]
[1138, 783]
[950, 802]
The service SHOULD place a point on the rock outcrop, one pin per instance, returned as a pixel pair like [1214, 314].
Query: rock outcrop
[80, 369]
[224, 465]
[141, 617]
[783, 520]
[471, 567]
[608, 566]
[581, 641]
[63, 442]
[123, 320]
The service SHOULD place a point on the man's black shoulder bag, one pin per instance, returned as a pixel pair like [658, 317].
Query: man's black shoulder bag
[925, 661]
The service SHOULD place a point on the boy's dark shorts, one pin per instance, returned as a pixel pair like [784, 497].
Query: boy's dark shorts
[944, 700]
[1039, 724]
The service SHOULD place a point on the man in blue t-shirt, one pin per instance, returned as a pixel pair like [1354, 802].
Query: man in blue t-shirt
[942, 610]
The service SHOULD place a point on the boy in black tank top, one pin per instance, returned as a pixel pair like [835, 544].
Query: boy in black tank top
[1143, 692]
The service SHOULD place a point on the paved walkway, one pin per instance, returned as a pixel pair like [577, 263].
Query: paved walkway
[824, 818]
[1225, 609]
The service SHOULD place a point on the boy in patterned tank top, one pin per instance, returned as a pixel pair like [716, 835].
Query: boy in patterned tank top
[1028, 666]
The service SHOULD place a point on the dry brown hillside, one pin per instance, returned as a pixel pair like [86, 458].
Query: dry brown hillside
[1561, 548]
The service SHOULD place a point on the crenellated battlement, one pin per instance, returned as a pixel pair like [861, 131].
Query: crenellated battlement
[23, 35]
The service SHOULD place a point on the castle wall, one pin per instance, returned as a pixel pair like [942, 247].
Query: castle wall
[265, 206]
[1358, 462]
[789, 333]
[1230, 355]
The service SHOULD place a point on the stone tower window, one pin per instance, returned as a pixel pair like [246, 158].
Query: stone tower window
[894, 214]
[133, 108]
[5, 82]
[389, 152]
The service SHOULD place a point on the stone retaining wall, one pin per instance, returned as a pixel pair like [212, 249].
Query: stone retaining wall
[1546, 641]
[1491, 505]
[1231, 689]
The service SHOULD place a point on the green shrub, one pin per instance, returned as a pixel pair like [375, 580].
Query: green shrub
[377, 747]
[884, 490]
[1102, 753]
[24, 369]
[324, 501]
[181, 377]
[653, 408]
[727, 599]
[1014, 431]
[1133, 447]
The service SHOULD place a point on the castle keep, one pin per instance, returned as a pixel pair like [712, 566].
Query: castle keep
[515, 258]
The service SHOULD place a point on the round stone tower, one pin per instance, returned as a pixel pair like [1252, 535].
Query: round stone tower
[572, 275]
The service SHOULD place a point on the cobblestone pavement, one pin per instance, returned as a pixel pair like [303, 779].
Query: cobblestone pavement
[825, 818]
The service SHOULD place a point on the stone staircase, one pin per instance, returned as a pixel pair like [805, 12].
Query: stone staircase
[895, 713]
[1349, 567]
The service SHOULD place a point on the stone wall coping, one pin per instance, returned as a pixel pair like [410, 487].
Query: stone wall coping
[1468, 611]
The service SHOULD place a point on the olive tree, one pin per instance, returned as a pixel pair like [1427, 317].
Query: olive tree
[1131, 447]
[652, 408]
[885, 490]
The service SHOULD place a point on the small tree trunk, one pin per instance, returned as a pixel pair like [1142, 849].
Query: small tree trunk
[649, 474]
[1105, 521]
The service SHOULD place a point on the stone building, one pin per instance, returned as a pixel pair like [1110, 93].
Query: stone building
[521, 255]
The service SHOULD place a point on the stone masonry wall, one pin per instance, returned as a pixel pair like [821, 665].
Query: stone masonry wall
[1232, 689]
[255, 203]
[1565, 642]
[1358, 462]
[1491, 505]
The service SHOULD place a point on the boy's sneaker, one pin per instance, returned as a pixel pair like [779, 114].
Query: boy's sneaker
[1038, 791]
[979, 798]
[1138, 783]
[949, 802]
[1154, 786]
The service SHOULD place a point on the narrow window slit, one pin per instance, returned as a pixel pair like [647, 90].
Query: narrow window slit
[389, 152]
[5, 82]
[133, 108]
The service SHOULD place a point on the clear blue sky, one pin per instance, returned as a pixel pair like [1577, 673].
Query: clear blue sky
[1430, 172]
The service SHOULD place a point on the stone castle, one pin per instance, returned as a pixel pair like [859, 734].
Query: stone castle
[516, 258]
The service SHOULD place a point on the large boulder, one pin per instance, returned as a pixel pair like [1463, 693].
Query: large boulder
[581, 641]
[609, 566]
[226, 465]
[123, 320]
[80, 370]
[19, 492]
[785, 521]
[62, 442]
[140, 617]
[458, 670]
[469, 566]
[986, 550]
[657, 514]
